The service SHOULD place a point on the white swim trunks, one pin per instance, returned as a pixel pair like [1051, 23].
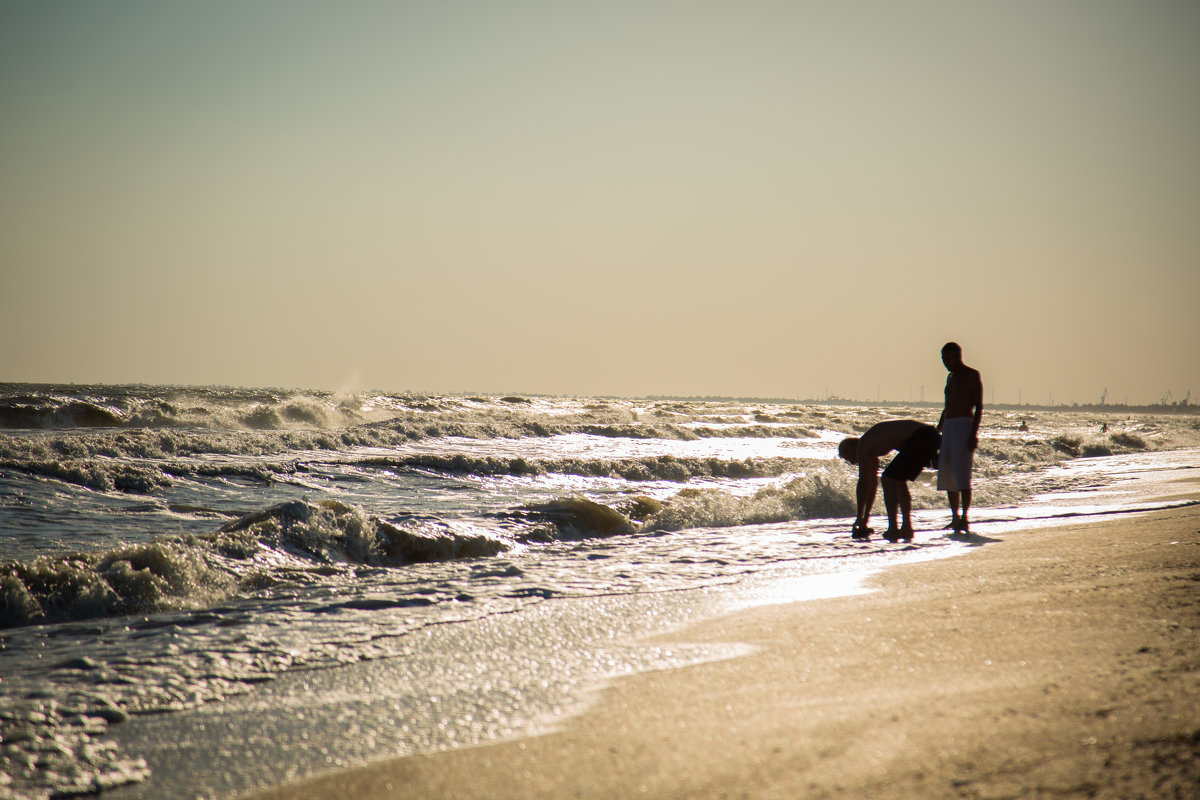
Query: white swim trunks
[957, 457]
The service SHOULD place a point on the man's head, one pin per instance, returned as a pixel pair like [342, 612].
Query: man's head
[848, 450]
[952, 355]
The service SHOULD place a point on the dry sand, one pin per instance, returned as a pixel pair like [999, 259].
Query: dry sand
[1058, 663]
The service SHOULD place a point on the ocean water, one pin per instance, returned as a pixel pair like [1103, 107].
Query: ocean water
[206, 590]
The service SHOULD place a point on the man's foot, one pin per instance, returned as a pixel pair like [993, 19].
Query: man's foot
[962, 529]
[860, 532]
[892, 534]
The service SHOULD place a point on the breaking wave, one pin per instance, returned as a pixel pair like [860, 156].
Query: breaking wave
[824, 493]
[105, 474]
[296, 541]
[57, 408]
[70, 414]
[653, 468]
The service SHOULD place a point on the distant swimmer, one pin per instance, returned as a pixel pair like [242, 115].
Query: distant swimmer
[959, 425]
[917, 444]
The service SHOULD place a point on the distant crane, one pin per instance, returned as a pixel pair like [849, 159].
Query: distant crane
[1104, 396]
[1166, 398]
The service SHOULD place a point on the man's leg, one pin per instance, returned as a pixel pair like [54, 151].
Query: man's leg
[955, 520]
[866, 501]
[891, 499]
[906, 529]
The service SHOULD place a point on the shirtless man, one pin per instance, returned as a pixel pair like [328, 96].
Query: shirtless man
[917, 443]
[959, 425]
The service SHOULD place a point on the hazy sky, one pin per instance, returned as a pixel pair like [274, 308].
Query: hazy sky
[736, 198]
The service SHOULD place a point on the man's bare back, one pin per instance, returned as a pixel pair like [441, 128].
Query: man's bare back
[882, 439]
[916, 448]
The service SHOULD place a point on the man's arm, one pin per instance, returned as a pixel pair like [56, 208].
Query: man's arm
[977, 417]
[868, 482]
[942, 417]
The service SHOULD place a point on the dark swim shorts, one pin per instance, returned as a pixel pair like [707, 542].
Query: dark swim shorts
[915, 454]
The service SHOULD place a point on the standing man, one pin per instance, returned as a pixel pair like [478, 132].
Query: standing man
[959, 425]
[917, 443]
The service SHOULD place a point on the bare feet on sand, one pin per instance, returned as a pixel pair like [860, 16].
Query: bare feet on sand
[957, 524]
[860, 531]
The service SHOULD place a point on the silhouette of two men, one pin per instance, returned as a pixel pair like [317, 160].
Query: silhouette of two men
[953, 442]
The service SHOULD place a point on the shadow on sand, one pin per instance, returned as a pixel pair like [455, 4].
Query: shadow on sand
[972, 539]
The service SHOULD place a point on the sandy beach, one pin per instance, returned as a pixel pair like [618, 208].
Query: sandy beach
[1058, 662]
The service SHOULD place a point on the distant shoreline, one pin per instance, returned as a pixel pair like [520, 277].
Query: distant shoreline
[1107, 408]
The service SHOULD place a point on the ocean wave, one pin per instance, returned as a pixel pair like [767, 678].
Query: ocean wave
[68, 414]
[260, 549]
[569, 519]
[51, 408]
[131, 476]
[755, 432]
[651, 468]
[333, 532]
[1030, 450]
[124, 473]
[165, 430]
[148, 461]
[1076, 446]
[828, 492]
[824, 493]
[96, 475]
[140, 578]
[282, 419]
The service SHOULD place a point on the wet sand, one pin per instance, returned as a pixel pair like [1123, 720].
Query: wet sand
[1059, 662]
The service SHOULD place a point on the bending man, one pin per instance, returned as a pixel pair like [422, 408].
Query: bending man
[917, 443]
[959, 425]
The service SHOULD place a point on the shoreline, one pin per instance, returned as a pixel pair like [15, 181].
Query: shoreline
[1061, 661]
